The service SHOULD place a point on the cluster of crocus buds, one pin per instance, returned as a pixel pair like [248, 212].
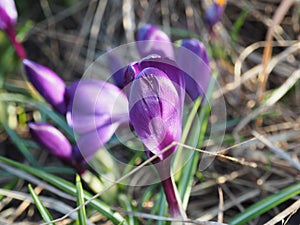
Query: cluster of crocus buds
[158, 86]
[153, 104]
[93, 108]
[94, 120]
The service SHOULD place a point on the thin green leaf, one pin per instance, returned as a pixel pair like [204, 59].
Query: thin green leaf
[57, 119]
[187, 172]
[126, 205]
[80, 201]
[162, 207]
[20, 145]
[159, 207]
[186, 176]
[67, 187]
[10, 185]
[238, 24]
[40, 206]
[266, 204]
[147, 194]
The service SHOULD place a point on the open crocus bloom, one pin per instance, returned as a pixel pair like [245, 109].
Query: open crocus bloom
[151, 40]
[47, 83]
[8, 15]
[95, 110]
[156, 109]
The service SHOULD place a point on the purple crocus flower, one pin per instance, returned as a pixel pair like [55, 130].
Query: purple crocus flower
[192, 59]
[95, 110]
[151, 40]
[8, 19]
[8, 15]
[57, 144]
[47, 83]
[155, 111]
[52, 139]
[169, 67]
[214, 13]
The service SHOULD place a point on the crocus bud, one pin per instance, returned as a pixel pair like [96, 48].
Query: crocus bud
[169, 67]
[155, 111]
[151, 40]
[214, 13]
[95, 110]
[47, 83]
[192, 59]
[8, 15]
[8, 18]
[52, 139]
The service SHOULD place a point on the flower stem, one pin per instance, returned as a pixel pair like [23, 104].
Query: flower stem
[174, 204]
[17, 45]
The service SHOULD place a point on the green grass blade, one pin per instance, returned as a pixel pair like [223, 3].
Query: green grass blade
[20, 145]
[40, 206]
[186, 176]
[80, 200]
[147, 194]
[189, 170]
[57, 119]
[67, 187]
[238, 24]
[126, 205]
[159, 208]
[162, 207]
[266, 204]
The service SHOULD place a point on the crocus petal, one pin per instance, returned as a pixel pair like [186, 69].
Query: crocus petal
[155, 111]
[89, 143]
[93, 104]
[214, 13]
[169, 67]
[117, 68]
[52, 139]
[151, 40]
[8, 14]
[192, 59]
[47, 83]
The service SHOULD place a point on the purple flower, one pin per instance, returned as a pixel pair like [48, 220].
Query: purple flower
[155, 111]
[117, 68]
[151, 40]
[47, 83]
[8, 19]
[95, 110]
[57, 144]
[192, 59]
[214, 13]
[169, 67]
[8, 15]
[52, 139]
